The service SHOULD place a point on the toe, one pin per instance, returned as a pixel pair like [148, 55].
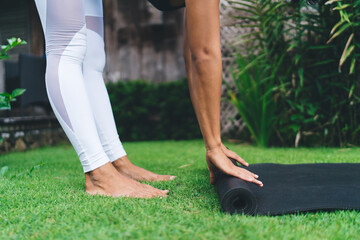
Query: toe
[165, 178]
[162, 193]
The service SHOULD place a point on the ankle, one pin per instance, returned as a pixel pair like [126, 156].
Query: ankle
[88, 182]
[121, 162]
[104, 171]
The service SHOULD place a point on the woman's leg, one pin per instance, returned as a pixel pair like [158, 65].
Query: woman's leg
[202, 53]
[65, 34]
[98, 96]
[66, 41]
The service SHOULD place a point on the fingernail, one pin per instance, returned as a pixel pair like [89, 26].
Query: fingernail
[256, 176]
[172, 177]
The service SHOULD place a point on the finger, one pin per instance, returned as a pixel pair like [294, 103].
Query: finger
[259, 183]
[233, 155]
[248, 172]
[253, 180]
[247, 176]
[164, 193]
[244, 171]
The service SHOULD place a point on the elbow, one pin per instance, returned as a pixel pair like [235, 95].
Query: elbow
[205, 56]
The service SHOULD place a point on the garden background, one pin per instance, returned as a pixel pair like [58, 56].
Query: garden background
[290, 80]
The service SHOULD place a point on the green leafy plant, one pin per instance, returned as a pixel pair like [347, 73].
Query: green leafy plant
[7, 98]
[12, 42]
[348, 27]
[260, 67]
[323, 101]
[254, 98]
[300, 50]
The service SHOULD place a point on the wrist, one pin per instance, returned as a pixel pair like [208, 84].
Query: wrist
[213, 147]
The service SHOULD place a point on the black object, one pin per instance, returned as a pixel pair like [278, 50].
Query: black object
[12, 76]
[168, 5]
[32, 78]
[291, 188]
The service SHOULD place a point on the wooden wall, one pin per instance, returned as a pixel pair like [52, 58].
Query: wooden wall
[142, 42]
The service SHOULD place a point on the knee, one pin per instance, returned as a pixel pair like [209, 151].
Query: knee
[68, 47]
[95, 58]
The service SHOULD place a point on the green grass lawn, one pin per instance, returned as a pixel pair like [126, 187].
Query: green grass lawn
[52, 204]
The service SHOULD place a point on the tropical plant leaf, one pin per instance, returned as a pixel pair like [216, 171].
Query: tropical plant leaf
[17, 92]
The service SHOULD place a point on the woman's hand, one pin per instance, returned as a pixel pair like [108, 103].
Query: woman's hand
[233, 155]
[218, 158]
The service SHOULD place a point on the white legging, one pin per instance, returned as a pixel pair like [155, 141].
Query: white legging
[74, 82]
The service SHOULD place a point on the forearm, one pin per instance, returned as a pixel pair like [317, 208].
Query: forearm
[204, 69]
[206, 92]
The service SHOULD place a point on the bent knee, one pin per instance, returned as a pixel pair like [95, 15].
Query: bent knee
[70, 47]
[95, 58]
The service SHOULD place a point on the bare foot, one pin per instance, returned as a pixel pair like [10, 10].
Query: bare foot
[125, 167]
[107, 181]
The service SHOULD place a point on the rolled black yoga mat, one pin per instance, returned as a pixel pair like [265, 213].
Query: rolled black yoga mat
[291, 188]
[168, 5]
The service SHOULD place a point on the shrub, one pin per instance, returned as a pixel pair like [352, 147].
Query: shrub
[311, 59]
[261, 67]
[148, 111]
